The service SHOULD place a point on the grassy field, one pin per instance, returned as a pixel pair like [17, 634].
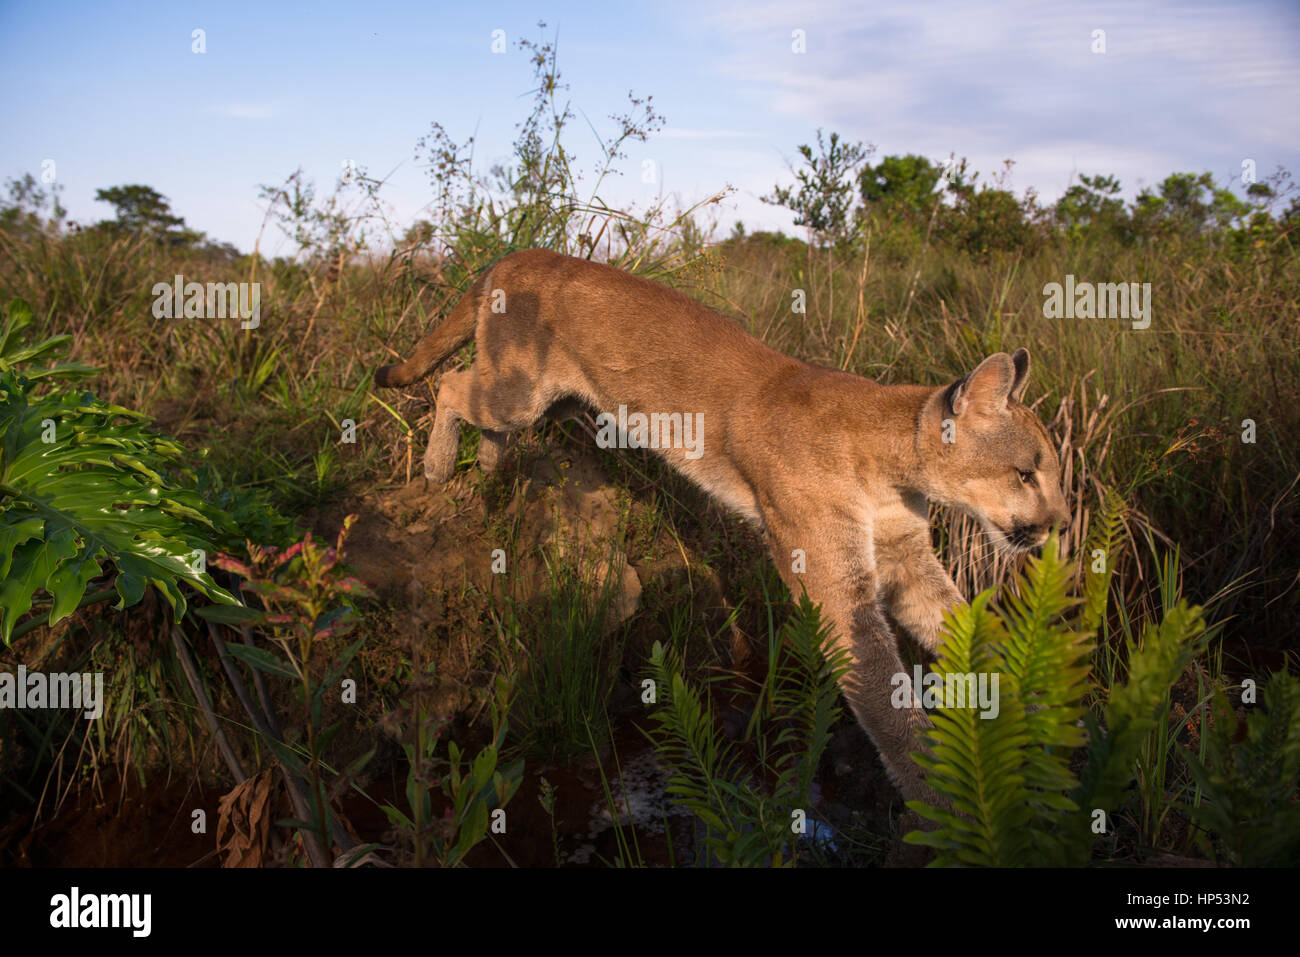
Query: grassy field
[1190, 423]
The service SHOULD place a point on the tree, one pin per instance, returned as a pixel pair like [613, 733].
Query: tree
[900, 185]
[984, 218]
[823, 198]
[31, 208]
[143, 210]
[1189, 204]
[1092, 204]
[419, 233]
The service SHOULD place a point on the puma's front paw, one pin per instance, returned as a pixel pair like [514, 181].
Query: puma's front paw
[902, 854]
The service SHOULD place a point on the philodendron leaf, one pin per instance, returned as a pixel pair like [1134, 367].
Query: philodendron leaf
[67, 584]
[35, 561]
[82, 487]
[228, 614]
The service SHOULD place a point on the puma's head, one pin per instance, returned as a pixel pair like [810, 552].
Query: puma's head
[987, 455]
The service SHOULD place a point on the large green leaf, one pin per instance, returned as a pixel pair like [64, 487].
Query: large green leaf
[81, 483]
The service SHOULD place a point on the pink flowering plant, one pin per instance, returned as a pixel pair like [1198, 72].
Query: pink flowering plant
[307, 607]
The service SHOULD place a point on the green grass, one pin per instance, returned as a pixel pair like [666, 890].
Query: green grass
[565, 643]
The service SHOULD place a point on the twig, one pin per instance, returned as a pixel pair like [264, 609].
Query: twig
[316, 851]
[205, 706]
[268, 726]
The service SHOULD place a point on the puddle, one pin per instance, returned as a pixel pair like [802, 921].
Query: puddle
[637, 787]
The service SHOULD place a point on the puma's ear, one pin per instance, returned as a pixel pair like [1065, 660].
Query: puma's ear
[988, 387]
[1020, 359]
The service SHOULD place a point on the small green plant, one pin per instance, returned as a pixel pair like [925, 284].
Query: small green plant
[17, 355]
[307, 606]
[472, 788]
[1249, 781]
[748, 823]
[546, 793]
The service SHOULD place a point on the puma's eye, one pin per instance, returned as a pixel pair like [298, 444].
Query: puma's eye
[1026, 477]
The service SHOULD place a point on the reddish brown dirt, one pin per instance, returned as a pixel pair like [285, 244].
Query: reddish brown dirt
[432, 553]
[125, 827]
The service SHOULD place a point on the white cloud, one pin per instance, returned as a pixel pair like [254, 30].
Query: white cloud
[1180, 87]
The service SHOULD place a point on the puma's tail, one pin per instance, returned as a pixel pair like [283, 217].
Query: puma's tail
[447, 336]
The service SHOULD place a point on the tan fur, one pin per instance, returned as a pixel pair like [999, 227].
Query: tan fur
[828, 463]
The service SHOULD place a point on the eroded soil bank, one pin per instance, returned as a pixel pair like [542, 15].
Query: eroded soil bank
[445, 564]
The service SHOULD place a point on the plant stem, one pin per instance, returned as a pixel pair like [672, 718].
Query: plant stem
[205, 706]
[31, 624]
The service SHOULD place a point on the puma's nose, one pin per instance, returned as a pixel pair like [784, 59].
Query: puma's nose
[1028, 535]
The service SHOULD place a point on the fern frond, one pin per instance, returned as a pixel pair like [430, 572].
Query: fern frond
[807, 690]
[978, 763]
[705, 774]
[1132, 709]
[1251, 787]
[750, 824]
[1101, 547]
[1049, 660]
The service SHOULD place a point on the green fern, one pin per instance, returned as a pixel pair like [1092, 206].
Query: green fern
[1103, 542]
[747, 825]
[1047, 658]
[976, 764]
[1007, 775]
[1133, 711]
[807, 689]
[1250, 781]
[705, 773]
[1015, 800]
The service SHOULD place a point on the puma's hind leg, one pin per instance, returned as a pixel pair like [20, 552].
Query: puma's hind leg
[444, 437]
[493, 449]
[496, 408]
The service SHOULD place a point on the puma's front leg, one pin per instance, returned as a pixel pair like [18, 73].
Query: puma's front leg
[914, 586]
[837, 571]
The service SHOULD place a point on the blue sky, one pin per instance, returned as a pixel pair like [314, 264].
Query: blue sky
[113, 94]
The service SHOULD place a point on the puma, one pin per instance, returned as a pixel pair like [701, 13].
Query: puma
[835, 468]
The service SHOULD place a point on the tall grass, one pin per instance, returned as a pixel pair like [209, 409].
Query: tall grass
[565, 644]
